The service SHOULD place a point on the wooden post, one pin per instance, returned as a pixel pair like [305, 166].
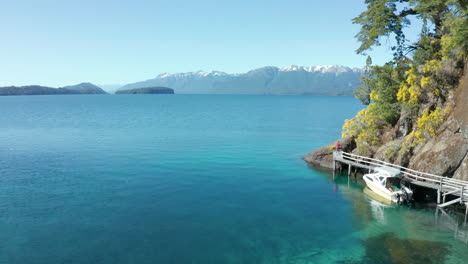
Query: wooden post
[466, 211]
[334, 169]
[461, 194]
[349, 170]
[438, 196]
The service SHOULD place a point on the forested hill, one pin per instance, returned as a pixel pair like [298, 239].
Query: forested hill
[83, 88]
[416, 104]
[86, 88]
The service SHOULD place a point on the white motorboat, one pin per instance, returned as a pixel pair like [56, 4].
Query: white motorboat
[386, 182]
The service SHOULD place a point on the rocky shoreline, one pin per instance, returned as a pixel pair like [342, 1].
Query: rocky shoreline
[444, 154]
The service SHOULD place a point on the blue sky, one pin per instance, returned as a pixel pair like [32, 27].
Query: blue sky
[61, 42]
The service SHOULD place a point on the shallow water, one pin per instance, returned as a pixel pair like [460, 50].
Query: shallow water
[194, 179]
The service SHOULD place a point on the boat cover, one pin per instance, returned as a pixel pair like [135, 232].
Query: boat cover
[391, 172]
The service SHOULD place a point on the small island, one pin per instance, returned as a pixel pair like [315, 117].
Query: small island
[82, 88]
[147, 90]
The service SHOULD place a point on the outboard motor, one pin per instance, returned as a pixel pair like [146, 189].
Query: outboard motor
[405, 195]
[409, 193]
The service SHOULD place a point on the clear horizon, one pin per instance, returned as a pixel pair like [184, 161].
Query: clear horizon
[56, 43]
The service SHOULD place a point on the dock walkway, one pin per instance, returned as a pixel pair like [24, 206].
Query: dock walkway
[445, 186]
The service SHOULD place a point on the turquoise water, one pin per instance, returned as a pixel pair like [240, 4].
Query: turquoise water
[194, 179]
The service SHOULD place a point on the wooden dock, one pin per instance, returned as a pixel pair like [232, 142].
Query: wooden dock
[445, 186]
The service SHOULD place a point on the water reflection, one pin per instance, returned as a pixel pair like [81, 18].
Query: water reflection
[401, 234]
[378, 205]
[452, 222]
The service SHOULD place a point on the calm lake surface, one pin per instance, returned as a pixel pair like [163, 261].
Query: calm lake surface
[195, 179]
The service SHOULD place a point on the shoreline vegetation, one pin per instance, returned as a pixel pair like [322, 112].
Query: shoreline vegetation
[415, 113]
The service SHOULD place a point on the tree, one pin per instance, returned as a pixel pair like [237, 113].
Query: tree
[363, 92]
[414, 85]
[381, 19]
[387, 18]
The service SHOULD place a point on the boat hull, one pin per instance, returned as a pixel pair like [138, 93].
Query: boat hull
[378, 189]
[377, 198]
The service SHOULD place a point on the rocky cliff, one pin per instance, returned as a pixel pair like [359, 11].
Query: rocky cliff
[445, 153]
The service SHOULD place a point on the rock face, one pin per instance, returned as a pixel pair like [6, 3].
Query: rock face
[444, 154]
[323, 156]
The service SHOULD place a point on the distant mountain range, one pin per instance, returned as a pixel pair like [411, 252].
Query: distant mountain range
[330, 80]
[327, 80]
[82, 88]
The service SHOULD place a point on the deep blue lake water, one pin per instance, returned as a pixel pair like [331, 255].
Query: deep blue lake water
[195, 179]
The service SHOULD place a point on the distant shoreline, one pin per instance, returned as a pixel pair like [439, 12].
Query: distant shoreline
[82, 88]
[147, 90]
[196, 94]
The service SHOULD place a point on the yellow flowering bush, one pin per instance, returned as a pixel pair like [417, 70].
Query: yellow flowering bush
[409, 91]
[426, 126]
[365, 126]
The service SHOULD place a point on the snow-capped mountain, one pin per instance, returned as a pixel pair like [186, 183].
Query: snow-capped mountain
[267, 80]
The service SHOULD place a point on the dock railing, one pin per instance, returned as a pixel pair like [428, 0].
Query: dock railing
[445, 185]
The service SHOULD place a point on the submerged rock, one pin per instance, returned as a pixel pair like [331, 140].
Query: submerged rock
[388, 248]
